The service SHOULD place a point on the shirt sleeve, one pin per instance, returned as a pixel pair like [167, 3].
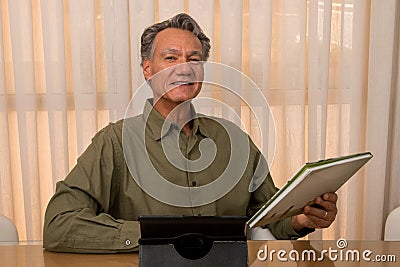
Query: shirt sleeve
[264, 191]
[77, 218]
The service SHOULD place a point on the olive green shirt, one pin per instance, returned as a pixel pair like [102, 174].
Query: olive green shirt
[95, 209]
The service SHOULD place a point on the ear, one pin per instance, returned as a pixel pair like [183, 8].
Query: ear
[147, 69]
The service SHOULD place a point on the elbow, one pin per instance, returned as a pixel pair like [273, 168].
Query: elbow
[54, 232]
[51, 238]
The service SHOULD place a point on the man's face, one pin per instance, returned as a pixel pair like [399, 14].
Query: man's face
[177, 52]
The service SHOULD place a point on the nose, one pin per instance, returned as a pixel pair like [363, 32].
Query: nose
[183, 69]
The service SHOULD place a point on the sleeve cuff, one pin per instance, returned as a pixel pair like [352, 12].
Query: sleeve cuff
[129, 236]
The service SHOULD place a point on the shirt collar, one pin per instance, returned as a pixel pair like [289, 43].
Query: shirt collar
[154, 122]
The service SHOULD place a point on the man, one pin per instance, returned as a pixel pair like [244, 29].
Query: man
[95, 209]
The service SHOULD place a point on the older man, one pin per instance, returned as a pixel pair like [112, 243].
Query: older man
[95, 209]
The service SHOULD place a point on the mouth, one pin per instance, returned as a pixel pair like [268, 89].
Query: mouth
[179, 83]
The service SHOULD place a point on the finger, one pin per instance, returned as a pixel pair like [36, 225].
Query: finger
[318, 222]
[326, 205]
[309, 221]
[332, 197]
[319, 218]
[321, 214]
[315, 212]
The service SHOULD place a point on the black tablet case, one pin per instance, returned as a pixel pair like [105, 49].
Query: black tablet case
[192, 241]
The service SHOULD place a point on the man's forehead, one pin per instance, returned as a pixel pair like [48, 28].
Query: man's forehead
[172, 38]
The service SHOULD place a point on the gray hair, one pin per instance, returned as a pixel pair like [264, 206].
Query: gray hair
[181, 21]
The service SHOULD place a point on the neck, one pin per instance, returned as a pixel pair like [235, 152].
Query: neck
[178, 113]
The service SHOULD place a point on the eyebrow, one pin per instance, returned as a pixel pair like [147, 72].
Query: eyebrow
[177, 52]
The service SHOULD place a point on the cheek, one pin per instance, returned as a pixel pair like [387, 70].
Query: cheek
[159, 82]
[197, 88]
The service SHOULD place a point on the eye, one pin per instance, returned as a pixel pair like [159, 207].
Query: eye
[170, 58]
[195, 60]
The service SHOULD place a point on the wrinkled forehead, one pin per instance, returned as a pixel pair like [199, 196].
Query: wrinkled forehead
[177, 40]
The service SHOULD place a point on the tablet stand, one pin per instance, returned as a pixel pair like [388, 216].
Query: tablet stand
[193, 241]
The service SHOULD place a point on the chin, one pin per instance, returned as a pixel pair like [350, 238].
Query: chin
[179, 96]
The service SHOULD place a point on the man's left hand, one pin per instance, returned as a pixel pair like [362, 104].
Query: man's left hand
[320, 215]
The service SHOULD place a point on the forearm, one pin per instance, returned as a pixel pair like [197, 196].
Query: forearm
[83, 232]
[74, 222]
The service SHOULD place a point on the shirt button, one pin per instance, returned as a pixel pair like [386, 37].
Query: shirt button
[127, 242]
[194, 183]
